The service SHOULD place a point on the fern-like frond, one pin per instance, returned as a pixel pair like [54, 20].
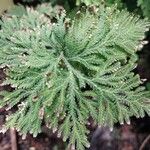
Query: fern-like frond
[98, 2]
[66, 72]
[145, 6]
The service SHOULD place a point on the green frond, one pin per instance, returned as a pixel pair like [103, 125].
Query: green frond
[98, 2]
[67, 71]
[145, 6]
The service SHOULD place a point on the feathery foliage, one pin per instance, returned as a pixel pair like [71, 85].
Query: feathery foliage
[97, 2]
[86, 2]
[45, 9]
[145, 6]
[65, 72]
[34, 0]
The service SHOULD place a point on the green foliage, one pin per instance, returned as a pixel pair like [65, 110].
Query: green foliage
[86, 2]
[67, 71]
[145, 6]
[97, 2]
[34, 0]
[44, 8]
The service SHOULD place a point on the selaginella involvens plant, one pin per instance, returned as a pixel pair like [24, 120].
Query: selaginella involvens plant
[145, 6]
[67, 71]
[79, 2]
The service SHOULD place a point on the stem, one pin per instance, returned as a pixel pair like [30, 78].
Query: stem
[145, 142]
[13, 139]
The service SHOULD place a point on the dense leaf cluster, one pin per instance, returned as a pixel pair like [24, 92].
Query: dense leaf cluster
[67, 71]
[97, 2]
[86, 2]
[145, 6]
